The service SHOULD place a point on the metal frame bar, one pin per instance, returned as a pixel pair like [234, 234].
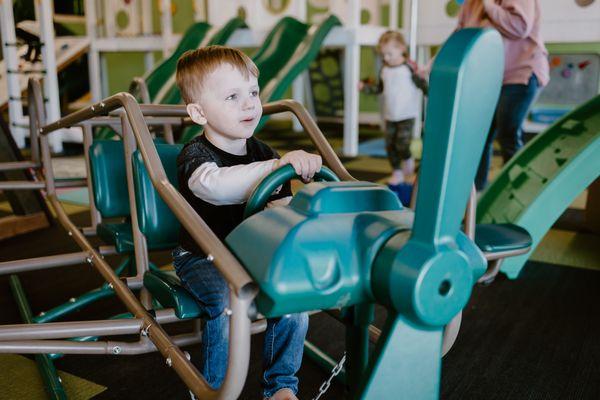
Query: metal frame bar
[243, 289]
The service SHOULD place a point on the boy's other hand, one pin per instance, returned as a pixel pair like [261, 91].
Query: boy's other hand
[305, 164]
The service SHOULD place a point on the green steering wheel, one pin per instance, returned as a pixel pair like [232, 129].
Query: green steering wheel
[260, 195]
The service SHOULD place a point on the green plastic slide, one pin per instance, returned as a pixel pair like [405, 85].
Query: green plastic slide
[287, 51]
[278, 47]
[299, 61]
[191, 39]
[306, 53]
[545, 177]
[172, 95]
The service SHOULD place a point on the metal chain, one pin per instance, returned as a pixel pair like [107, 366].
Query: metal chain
[334, 372]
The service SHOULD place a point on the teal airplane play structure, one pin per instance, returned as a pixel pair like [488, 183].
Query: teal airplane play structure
[353, 244]
[536, 186]
[347, 245]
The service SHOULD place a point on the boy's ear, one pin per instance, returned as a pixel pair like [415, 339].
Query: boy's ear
[196, 113]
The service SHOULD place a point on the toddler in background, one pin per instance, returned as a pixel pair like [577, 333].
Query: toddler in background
[399, 84]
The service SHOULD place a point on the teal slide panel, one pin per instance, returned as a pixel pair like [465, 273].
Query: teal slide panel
[545, 177]
[278, 48]
[301, 59]
[161, 73]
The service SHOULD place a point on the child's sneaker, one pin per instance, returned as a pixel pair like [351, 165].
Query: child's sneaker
[403, 191]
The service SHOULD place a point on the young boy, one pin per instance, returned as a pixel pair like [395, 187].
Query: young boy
[399, 85]
[217, 171]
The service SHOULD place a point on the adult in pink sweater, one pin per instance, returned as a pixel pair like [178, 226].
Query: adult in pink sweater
[526, 68]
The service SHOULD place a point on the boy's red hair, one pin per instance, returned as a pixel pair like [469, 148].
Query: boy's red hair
[195, 65]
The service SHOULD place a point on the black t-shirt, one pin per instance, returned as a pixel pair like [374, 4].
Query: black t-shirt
[222, 219]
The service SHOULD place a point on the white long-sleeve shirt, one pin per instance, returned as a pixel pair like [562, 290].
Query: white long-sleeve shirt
[401, 98]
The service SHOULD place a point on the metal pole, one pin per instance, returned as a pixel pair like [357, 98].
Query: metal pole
[147, 30]
[91, 23]
[59, 330]
[351, 77]
[166, 26]
[11, 62]
[49, 61]
[412, 37]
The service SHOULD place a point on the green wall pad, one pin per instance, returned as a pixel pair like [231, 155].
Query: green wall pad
[20, 379]
[545, 177]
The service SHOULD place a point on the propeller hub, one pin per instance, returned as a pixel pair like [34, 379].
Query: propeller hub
[430, 286]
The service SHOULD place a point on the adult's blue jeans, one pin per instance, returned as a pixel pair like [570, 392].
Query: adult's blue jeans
[511, 110]
[284, 337]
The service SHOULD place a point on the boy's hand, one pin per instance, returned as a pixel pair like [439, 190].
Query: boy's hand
[305, 164]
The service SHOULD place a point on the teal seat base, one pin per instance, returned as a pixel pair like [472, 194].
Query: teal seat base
[118, 235]
[121, 236]
[167, 289]
[496, 238]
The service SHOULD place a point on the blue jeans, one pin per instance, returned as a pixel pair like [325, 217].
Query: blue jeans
[284, 337]
[511, 110]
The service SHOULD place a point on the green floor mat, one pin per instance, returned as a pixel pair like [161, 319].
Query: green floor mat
[570, 249]
[77, 196]
[19, 379]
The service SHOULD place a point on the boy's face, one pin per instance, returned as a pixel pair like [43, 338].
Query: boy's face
[229, 105]
[392, 53]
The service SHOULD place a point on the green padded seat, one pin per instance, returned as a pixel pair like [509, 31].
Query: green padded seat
[166, 288]
[156, 221]
[161, 229]
[109, 179]
[118, 234]
[495, 238]
[109, 183]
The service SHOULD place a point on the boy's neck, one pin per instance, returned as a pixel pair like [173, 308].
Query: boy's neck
[232, 146]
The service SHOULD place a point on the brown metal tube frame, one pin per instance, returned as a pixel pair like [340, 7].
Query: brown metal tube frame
[242, 285]
[16, 165]
[26, 338]
[138, 86]
[59, 330]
